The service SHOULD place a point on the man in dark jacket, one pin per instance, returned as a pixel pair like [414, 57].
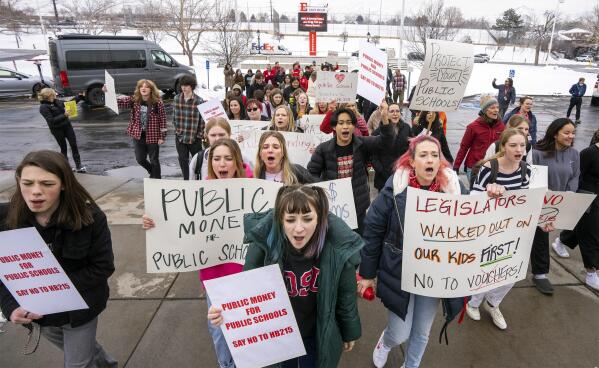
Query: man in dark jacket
[506, 95]
[576, 91]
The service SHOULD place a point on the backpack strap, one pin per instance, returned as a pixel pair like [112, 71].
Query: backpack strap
[523, 168]
[198, 167]
[494, 170]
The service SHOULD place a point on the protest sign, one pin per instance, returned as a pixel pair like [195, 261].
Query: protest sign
[341, 200]
[311, 92]
[444, 77]
[458, 245]
[33, 276]
[110, 94]
[564, 209]
[538, 176]
[212, 109]
[71, 108]
[258, 321]
[310, 124]
[199, 224]
[372, 75]
[240, 126]
[337, 86]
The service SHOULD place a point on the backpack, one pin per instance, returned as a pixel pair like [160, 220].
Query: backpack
[198, 168]
[494, 170]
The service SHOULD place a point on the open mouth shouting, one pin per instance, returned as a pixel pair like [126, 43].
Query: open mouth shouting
[37, 203]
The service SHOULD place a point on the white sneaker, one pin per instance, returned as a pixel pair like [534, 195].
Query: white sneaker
[380, 353]
[593, 280]
[498, 319]
[560, 248]
[473, 312]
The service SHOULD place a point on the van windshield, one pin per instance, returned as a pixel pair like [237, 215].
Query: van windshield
[161, 58]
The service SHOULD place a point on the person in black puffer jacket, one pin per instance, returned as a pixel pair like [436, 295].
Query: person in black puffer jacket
[429, 120]
[60, 126]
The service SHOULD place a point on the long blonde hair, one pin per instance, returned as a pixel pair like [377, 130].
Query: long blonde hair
[235, 152]
[154, 93]
[289, 177]
[290, 125]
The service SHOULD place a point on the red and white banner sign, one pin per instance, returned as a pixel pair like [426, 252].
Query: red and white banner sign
[372, 76]
[312, 43]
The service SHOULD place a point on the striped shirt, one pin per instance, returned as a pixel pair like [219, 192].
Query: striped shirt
[511, 181]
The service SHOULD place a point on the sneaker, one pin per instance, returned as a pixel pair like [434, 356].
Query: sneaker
[559, 248]
[473, 312]
[577, 121]
[543, 285]
[593, 281]
[495, 313]
[82, 170]
[380, 353]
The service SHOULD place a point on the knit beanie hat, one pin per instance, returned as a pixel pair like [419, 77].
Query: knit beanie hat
[237, 86]
[486, 102]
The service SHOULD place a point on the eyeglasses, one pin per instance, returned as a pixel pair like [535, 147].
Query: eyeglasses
[253, 109]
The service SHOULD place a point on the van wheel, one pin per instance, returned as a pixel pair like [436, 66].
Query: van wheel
[95, 96]
[177, 87]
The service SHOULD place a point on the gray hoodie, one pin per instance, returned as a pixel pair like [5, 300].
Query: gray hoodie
[563, 168]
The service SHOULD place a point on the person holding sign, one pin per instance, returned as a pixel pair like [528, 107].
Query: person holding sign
[318, 255]
[504, 171]
[272, 162]
[49, 198]
[410, 316]
[563, 168]
[430, 123]
[283, 121]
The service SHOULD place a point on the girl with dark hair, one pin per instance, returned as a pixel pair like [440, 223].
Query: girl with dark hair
[254, 110]
[288, 91]
[506, 95]
[310, 244]
[563, 164]
[49, 198]
[525, 110]
[430, 121]
[236, 109]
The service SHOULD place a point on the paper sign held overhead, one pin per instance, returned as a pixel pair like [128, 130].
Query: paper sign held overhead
[110, 94]
[372, 75]
[212, 109]
[337, 86]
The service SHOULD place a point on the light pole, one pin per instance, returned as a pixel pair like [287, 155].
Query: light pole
[258, 31]
[553, 31]
[368, 37]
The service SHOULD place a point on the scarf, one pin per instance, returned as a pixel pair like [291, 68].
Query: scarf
[434, 187]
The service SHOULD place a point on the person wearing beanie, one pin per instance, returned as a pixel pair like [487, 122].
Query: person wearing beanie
[479, 135]
[238, 91]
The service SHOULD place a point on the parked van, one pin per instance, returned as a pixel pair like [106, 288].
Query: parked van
[78, 62]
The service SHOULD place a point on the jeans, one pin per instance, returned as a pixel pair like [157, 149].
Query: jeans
[223, 355]
[64, 134]
[494, 297]
[575, 101]
[305, 361]
[414, 329]
[142, 151]
[539, 256]
[81, 350]
[185, 151]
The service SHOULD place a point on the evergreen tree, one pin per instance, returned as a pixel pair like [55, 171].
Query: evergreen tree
[512, 23]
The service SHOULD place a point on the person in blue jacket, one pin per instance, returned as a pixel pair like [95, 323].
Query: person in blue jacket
[576, 91]
[506, 95]
[410, 316]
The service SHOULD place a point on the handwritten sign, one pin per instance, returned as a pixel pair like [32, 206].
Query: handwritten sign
[212, 109]
[311, 124]
[341, 200]
[241, 126]
[337, 86]
[444, 77]
[258, 321]
[71, 108]
[33, 276]
[311, 92]
[199, 224]
[110, 94]
[538, 176]
[462, 245]
[564, 209]
[372, 75]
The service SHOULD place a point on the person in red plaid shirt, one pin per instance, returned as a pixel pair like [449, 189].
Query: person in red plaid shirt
[147, 125]
[189, 125]
[399, 86]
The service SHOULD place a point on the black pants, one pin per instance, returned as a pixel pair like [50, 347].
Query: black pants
[575, 101]
[539, 255]
[64, 134]
[305, 361]
[144, 150]
[586, 234]
[185, 151]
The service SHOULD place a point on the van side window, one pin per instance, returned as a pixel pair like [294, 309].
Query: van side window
[87, 59]
[126, 59]
[161, 58]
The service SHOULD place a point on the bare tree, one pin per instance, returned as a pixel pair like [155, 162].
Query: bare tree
[90, 15]
[114, 23]
[343, 37]
[592, 22]
[187, 20]
[153, 18]
[434, 21]
[14, 20]
[540, 30]
[228, 43]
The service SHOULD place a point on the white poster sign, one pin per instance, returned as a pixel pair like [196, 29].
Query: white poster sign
[338, 86]
[444, 77]
[311, 92]
[199, 224]
[212, 109]
[311, 124]
[341, 200]
[538, 176]
[33, 276]
[241, 126]
[564, 209]
[459, 245]
[372, 75]
[258, 321]
[110, 94]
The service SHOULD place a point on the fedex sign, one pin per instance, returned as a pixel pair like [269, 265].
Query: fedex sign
[263, 47]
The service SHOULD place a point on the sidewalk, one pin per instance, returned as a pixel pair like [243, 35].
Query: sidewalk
[158, 320]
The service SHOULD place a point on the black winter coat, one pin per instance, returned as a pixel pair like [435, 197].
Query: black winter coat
[384, 158]
[86, 257]
[437, 129]
[54, 113]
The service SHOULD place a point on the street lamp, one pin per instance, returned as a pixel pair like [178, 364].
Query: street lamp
[368, 37]
[258, 31]
[553, 31]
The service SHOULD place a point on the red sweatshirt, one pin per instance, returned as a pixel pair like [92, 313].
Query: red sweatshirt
[478, 137]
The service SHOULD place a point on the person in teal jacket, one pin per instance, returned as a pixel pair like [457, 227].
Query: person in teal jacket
[318, 255]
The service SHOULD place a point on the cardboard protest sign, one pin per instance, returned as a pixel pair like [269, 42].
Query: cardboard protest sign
[33, 276]
[564, 209]
[458, 245]
[338, 86]
[110, 94]
[341, 200]
[212, 109]
[240, 126]
[258, 321]
[444, 77]
[372, 75]
[199, 224]
[71, 108]
[538, 176]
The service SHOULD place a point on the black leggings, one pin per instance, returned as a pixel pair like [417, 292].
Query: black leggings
[64, 134]
[586, 234]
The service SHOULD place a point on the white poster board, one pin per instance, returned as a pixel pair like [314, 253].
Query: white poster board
[241, 126]
[338, 86]
[311, 92]
[33, 276]
[258, 321]
[538, 176]
[199, 224]
[110, 94]
[212, 109]
[341, 200]
[564, 209]
[459, 245]
[310, 124]
[444, 77]
[372, 74]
